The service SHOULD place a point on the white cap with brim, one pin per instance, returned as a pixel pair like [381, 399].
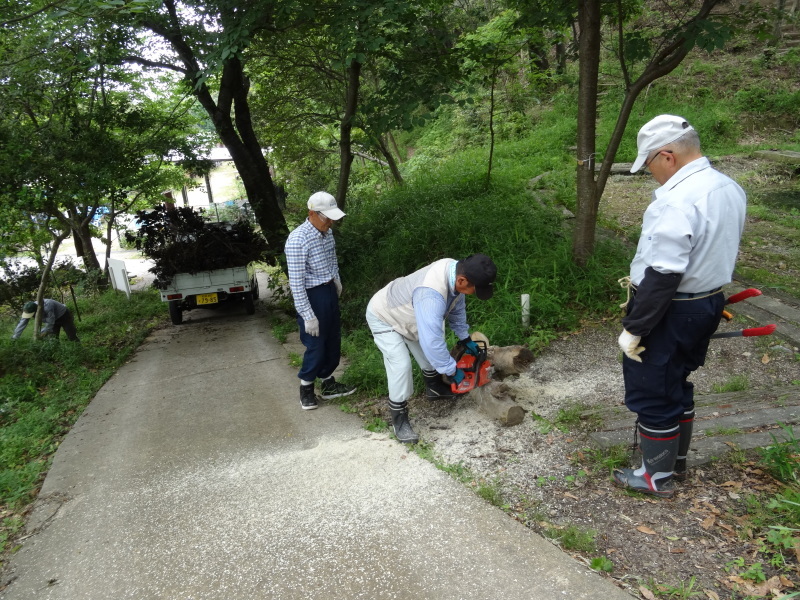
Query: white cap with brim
[326, 204]
[657, 133]
[29, 310]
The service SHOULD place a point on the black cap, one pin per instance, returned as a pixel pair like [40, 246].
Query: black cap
[481, 272]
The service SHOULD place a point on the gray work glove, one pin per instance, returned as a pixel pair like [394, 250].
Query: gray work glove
[338, 283]
[630, 345]
[312, 327]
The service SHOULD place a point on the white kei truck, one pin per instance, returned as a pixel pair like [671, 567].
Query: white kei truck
[210, 289]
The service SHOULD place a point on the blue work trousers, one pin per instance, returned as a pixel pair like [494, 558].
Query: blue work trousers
[657, 389]
[323, 351]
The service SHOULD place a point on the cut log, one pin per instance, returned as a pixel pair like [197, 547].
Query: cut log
[494, 401]
[510, 360]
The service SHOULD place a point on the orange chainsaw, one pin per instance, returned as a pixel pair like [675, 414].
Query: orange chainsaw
[477, 369]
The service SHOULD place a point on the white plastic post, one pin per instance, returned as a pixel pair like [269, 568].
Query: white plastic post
[526, 310]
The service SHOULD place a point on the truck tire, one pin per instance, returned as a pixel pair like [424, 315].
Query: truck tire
[175, 312]
[249, 303]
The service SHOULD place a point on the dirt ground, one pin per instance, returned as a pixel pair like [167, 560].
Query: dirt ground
[547, 474]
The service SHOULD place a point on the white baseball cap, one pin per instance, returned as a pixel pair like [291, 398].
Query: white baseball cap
[326, 204]
[657, 133]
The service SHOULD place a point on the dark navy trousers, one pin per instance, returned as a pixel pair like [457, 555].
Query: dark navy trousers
[657, 389]
[323, 351]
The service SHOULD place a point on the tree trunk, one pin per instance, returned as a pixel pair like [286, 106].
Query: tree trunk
[83, 239]
[590, 190]
[589, 56]
[491, 127]
[345, 129]
[48, 267]
[242, 143]
[387, 154]
[509, 360]
[90, 260]
[236, 135]
[400, 158]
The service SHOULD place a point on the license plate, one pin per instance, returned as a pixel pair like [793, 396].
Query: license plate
[206, 299]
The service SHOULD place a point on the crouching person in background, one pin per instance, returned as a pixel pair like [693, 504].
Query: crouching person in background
[55, 317]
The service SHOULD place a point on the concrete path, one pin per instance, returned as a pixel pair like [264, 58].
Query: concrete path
[195, 474]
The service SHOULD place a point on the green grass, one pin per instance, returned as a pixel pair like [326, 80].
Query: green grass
[451, 212]
[737, 383]
[574, 538]
[45, 385]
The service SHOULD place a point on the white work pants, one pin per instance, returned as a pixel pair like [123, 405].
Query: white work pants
[395, 349]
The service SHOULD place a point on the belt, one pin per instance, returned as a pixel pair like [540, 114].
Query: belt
[313, 287]
[695, 295]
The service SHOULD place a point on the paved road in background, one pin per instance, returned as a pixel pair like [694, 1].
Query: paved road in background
[195, 474]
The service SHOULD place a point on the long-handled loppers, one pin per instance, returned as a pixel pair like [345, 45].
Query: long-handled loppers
[738, 297]
[752, 331]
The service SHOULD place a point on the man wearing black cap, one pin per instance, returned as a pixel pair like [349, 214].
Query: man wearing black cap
[408, 316]
[55, 316]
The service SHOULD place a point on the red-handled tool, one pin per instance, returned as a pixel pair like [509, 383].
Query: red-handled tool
[752, 332]
[738, 297]
[743, 295]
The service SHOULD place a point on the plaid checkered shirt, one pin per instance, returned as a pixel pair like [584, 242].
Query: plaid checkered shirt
[311, 259]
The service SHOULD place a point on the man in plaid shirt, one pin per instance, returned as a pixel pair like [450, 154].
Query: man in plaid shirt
[314, 280]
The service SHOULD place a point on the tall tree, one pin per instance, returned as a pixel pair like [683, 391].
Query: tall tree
[659, 38]
[75, 131]
[649, 41]
[343, 82]
[203, 43]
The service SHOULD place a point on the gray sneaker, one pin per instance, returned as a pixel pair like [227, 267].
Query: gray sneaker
[333, 389]
[308, 399]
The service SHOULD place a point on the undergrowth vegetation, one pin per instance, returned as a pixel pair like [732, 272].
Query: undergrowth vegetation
[46, 384]
[452, 212]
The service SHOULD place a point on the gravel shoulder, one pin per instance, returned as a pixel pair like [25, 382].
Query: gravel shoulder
[548, 473]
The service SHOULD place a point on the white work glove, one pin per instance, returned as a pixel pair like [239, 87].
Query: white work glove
[338, 286]
[312, 327]
[630, 345]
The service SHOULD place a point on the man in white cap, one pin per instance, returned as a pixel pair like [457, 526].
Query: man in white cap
[314, 280]
[686, 253]
[54, 317]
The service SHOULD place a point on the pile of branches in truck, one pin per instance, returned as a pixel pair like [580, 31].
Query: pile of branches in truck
[181, 240]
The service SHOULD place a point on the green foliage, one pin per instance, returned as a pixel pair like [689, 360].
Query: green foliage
[682, 591]
[737, 383]
[376, 425]
[491, 492]
[771, 102]
[574, 538]
[20, 283]
[44, 385]
[601, 563]
[782, 458]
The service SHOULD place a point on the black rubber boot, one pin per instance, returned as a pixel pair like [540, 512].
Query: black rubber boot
[435, 387]
[686, 426]
[659, 450]
[402, 427]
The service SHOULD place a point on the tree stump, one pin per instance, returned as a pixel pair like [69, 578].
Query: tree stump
[495, 399]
